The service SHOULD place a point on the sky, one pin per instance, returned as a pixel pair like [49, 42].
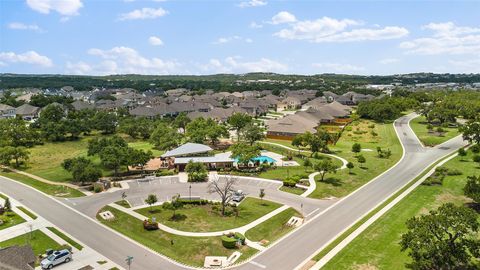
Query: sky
[99, 37]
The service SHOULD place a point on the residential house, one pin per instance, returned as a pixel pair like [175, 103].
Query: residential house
[81, 105]
[28, 112]
[289, 103]
[17, 257]
[219, 114]
[7, 111]
[179, 157]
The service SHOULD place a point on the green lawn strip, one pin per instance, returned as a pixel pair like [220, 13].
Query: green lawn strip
[10, 219]
[350, 230]
[59, 191]
[38, 240]
[123, 203]
[343, 182]
[187, 250]
[3, 196]
[201, 218]
[45, 160]
[67, 239]
[293, 190]
[378, 246]
[273, 228]
[419, 126]
[28, 213]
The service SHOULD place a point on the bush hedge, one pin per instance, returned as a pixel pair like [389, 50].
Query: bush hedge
[229, 242]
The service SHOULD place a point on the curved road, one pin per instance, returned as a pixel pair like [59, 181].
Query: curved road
[286, 254]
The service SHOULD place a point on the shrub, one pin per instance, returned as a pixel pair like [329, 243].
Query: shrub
[289, 182]
[97, 188]
[240, 237]
[197, 177]
[371, 126]
[475, 148]
[476, 158]
[165, 172]
[440, 130]
[348, 128]
[229, 242]
[194, 202]
[150, 225]
[374, 134]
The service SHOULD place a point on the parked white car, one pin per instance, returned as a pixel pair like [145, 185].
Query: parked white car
[56, 258]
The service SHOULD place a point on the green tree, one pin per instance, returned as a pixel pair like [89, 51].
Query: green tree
[140, 127]
[446, 238]
[472, 188]
[350, 166]
[164, 137]
[361, 159]
[113, 158]
[15, 132]
[238, 121]
[215, 131]
[18, 154]
[95, 146]
[325, 166]
[356, 148]
[105, 122]
[252, 133]
[462, 153]
[151, 200]
[244, 152]
[197, 172]
[82, 169]
[471, 130]
[173, 205]
[138, 157]
[262, 193]
[181, 121]
[7, 205]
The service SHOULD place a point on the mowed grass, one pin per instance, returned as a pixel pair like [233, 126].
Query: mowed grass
[67, 239]
[58, 191]
[45, 160]
[27, 212]
[187, 250]
[10, 219]
[293, 190]
[38, 240]
[343, 182]
[378, 246]
[419, 126]
[273, 228]
[202, 218]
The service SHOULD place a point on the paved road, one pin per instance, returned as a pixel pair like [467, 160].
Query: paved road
[286, 254]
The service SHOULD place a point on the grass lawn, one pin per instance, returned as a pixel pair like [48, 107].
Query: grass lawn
[293, 190]
[10, 219]
[59, 191]
[419, 126]
[203, 218]
[123, 203]
[188, 250]
[28, 213]
[343, 182]
[37, 239]
[45, 160]
[378, 246]
[67, 239]
[273, 228]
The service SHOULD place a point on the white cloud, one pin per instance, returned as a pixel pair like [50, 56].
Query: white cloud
[30, 57]
[252, 3]
[144, 13]
[223, 40]
[125, 60]
[22, 26]
[64, 7]
[337, 67]
[447, 38]
[236, 65]
[283, 17]
[255, 25]
[79, 68]
[466, 65]
[387, 61]
[328, 29]
[155, 41]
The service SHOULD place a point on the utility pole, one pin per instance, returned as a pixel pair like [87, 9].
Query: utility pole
[190, 192]
[129, 261]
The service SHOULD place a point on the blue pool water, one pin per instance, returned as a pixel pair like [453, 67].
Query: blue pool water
[261, 159]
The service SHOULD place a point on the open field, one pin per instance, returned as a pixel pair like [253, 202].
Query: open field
[188, 250]
[419, 126]
[45, 160]
[59, 191]
[202, 218]
[273, 228]
[377, 247]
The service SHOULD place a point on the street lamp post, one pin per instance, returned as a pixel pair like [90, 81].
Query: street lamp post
[190, 192]
[129, 261]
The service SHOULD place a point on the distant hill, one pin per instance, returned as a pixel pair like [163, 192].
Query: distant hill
[224, 82]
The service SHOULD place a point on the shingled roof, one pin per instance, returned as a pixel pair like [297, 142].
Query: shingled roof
[17, 257]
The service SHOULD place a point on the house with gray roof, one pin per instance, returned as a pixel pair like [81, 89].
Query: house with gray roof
[194, 152]
[17, 258]
[79, 105]
[27, 112]
[7, 111]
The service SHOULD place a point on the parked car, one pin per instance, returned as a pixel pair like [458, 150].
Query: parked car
[56, 258]
[238, 196]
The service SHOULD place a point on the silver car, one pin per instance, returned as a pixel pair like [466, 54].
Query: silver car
[238, 196]
[56, 258]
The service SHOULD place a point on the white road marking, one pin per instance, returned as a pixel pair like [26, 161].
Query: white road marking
[257, 264]
[312, 212]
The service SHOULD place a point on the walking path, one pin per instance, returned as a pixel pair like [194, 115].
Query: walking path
[242, 229]
[313, 185]
[344, 161]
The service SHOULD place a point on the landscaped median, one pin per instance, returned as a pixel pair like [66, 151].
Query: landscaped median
[206, 217]
[431, 135]
[186, 250]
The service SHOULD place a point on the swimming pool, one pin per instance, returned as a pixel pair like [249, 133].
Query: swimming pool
[261, 159]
